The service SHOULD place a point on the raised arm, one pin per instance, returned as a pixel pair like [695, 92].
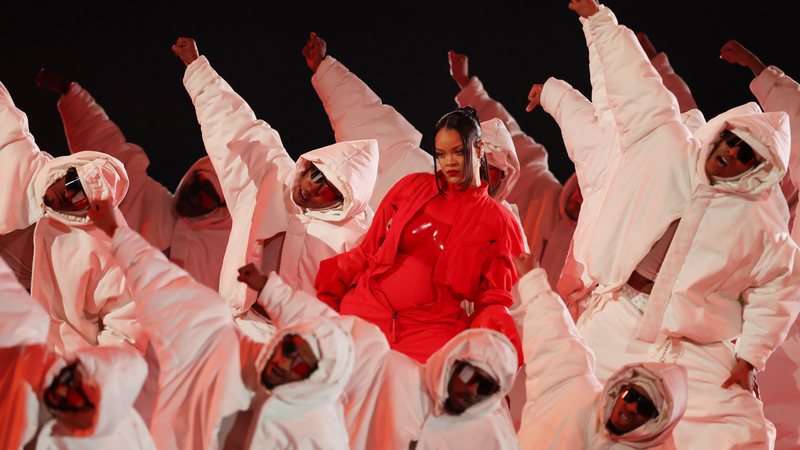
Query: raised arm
[555, 352]
[86, 123]
[535, 178]
[636, 96]
[20, 161]
[283, 305]
[775, 91]
[589, 143]
[171, 305]
[194, 338]
[736, 53]
[356, 112]
[147, 205]
[245, 152]
[288, 307]
[672, 81]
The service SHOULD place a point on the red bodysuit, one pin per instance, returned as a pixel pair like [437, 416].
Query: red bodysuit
[424, 253]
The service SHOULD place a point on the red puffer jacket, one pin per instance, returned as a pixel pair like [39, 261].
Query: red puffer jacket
[475, 264]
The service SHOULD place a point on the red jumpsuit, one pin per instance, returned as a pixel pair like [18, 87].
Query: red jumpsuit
[423, 254]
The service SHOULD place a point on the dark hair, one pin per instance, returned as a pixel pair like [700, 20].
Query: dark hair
[465, 122]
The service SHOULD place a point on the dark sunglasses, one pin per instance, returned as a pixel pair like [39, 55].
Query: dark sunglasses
[75, 399]
[469, 376]
[299, 366]
[644, 407]
[72, 182]
[745, 153]
[326, 191]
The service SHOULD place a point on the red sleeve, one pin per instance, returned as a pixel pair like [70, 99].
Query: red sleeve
[494, 298]
[497, 317]
[336, 275]
[494, 293]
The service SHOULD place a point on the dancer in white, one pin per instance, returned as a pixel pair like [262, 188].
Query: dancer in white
[210, 371]
[567, 405]
[287, 216]
[74, 274]
[780, 382]
[660, 179]
[192, 226]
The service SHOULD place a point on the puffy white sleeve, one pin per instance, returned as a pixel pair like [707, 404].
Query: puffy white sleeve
[247, 153]
[640, 103]
[555, 352]
[287, 307]
[148, 206]
[195, 340]
[776, 91]
[20, 161]
[356, 112]
[770, 308]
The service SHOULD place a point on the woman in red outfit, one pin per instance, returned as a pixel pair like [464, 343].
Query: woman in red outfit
[435, 240]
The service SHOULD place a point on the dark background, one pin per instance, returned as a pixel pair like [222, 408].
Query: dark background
[122, 55]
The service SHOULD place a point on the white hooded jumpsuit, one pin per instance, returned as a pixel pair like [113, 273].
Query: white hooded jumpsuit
[74, 273]
[208, 366]
[567, 405]
[112, 378]
[710, 290]
[258, 176]
[541, 198]
[780, 382]
[537, 193]
[195, 243]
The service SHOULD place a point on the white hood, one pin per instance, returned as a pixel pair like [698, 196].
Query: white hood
[112, 377]
[336, 355]
[306, 414]
[486, 349]
[204, 166]
[665, 383]
[501, 153]
[103, 177]
[766, 133]
[219, 218]
[352, 167]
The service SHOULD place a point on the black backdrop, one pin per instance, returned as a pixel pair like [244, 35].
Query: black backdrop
[122, 55]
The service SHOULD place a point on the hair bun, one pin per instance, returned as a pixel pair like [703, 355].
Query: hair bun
[470, 112]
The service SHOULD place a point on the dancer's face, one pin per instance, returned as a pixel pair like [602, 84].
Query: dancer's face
[292, 360]
[66, 195]
[314, 191]
[730, 157]
[632, 409]
[468, 386]
[197, 197]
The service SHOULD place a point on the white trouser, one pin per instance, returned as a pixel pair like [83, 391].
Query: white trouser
[715, 418]
[780, 390]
